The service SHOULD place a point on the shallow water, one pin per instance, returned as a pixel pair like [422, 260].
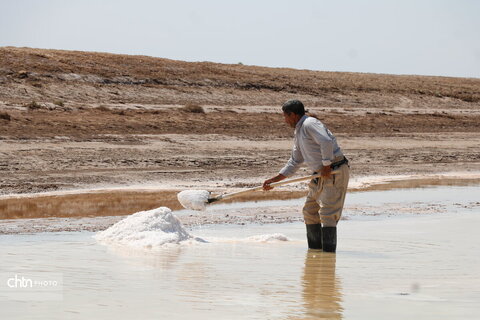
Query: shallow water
[377, 203]
[417, 266]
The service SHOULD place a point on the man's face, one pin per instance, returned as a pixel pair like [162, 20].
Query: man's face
[291, 119]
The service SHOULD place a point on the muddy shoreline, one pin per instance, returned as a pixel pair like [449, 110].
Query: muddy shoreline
[213, 161]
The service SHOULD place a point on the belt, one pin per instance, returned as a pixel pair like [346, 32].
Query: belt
[334, 166]
[338, 164]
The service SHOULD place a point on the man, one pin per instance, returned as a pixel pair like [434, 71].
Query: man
[315, 145]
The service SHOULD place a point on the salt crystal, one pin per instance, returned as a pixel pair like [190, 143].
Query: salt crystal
[268, 237]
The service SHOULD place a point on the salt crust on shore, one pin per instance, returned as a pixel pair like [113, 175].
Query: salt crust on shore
[361, 182]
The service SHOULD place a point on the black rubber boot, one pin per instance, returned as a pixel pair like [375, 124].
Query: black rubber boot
[314, 236]
[329, 239]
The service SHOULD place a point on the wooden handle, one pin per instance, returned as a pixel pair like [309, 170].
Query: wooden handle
[280, 183]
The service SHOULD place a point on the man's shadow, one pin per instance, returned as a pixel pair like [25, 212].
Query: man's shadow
[321, 287]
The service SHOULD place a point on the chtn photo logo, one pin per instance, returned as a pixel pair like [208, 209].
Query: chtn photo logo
[19, 281]
[31, 286]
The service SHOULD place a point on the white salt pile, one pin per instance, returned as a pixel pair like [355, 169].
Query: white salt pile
[194, 199]
[268, 237]
[146, 229]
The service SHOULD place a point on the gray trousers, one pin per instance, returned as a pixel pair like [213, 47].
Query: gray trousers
[325, 199]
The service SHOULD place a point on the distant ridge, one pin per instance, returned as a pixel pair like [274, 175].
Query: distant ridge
[92, 76]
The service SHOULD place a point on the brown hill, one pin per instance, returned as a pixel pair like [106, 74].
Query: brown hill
[118, 94]
[103, 77]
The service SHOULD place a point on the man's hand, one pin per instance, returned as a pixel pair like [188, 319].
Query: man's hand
[326, 172]
[266, 183]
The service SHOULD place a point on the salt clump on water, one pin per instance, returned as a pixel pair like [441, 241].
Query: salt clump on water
[146, 229]
[194, 199]
[269, 237]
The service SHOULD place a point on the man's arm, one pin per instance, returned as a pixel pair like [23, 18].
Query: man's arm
[277, 178]
[322, 137]
[290, 168]
[326, 172]
[293, 163]
[319, 133]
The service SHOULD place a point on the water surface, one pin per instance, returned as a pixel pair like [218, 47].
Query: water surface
[390, 266]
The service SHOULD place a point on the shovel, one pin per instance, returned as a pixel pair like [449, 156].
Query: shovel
[198, 199]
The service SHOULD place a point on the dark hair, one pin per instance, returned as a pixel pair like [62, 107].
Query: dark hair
[295, 106]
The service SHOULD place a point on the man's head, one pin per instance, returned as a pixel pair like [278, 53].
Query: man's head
[293, 111]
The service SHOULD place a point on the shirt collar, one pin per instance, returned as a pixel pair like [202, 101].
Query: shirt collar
[300, 122]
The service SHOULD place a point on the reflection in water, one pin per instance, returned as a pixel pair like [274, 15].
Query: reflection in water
[321, 288]
[147, 258]
[106, 203]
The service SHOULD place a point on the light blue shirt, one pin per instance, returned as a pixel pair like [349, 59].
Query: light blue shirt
[313, 144]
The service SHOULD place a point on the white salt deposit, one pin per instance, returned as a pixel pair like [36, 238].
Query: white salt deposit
[268, 237]
[194, 199]
[147, 229]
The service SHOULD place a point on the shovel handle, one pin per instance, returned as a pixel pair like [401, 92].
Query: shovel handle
[280, 183]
